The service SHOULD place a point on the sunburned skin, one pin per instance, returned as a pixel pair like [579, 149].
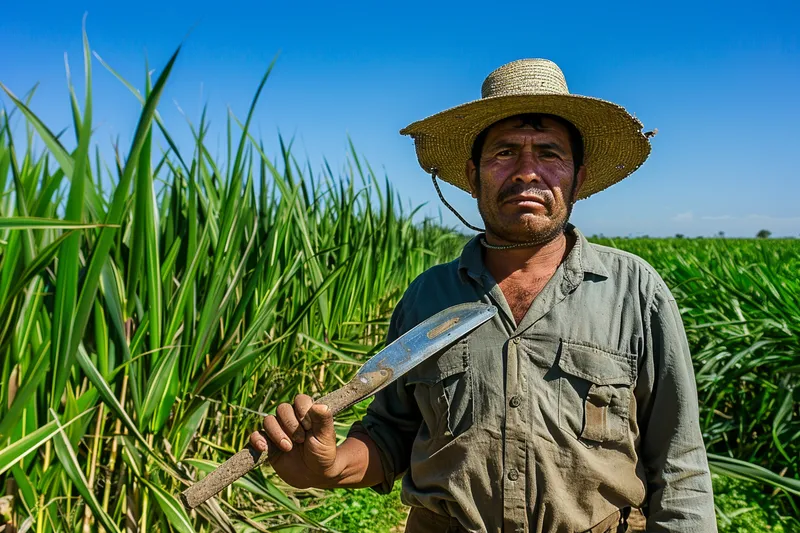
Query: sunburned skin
[526, 181]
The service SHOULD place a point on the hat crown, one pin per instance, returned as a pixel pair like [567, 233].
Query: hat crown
[525, 77]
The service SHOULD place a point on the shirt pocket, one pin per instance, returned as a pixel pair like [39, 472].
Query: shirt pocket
[595, 391]
[443, 391]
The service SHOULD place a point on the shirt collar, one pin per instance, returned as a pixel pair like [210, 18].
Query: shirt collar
[470, 265]
[582, 259]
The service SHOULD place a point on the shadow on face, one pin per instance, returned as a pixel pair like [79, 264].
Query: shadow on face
[527, 176]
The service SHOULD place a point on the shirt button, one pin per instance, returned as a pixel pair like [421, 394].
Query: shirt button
[515, 401]
[513, 475]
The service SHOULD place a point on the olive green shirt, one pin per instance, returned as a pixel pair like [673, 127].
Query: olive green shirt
[586, 407]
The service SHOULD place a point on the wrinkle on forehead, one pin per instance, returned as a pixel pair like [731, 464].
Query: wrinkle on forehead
[512, 136]
[529, 122]
[540, 124]
[545, 126]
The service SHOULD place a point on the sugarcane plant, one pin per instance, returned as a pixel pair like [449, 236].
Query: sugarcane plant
[156, 305]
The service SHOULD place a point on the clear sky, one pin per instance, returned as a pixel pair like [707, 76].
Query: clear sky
[720, 81]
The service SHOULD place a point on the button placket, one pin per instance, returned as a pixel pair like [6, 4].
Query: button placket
[515, 445]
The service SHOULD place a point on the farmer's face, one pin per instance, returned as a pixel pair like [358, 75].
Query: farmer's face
[525, 186]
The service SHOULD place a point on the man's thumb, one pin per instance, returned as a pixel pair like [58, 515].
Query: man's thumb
[322, 423]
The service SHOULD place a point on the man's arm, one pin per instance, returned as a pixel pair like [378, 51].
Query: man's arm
[359, 464]
[678, 479]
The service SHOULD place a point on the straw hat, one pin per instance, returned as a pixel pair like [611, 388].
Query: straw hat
[614, 145]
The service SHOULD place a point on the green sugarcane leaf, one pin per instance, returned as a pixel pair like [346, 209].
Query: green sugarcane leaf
[784, 413]
[105, 392]
[141, 99]
[61, 155]
[26, 488]
[34, 376]
[168, 268]
[105, 240]
[63, 345]
[172, 509]
[244, 356]
[220, 291]
[151, 250]
[104, 389]
[138, 228]
[69, 461]
[21, 448]
[111, 290]
[132, 457]
[185, 432]
[44, 203]
[42, 223]
[162, 390]
[729, 466]
[26, 237]
[39, 263]
[186, 290]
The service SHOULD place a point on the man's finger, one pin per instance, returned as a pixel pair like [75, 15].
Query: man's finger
[258, 441]
[276, 434]
[290, 423]
[302, 403]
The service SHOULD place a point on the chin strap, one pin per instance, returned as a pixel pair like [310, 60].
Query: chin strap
[450, 207]
[470, 226]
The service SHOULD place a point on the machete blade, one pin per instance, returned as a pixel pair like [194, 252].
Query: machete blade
[426, 339]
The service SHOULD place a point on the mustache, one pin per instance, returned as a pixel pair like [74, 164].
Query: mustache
[545, 196]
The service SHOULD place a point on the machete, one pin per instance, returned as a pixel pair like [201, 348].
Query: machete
[407, 351]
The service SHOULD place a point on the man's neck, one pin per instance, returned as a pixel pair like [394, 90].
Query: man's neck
[532, 263]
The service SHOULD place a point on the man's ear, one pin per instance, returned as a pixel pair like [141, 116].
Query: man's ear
[472, 178]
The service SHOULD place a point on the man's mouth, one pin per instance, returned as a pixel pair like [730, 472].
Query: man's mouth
[525, 199]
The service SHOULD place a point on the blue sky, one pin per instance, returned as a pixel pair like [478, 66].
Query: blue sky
[720, 81]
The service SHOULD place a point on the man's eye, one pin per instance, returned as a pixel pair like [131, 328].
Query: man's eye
[504, 153]
[548, 155]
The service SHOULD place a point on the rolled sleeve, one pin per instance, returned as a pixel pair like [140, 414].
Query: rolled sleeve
[392, 419]
[678, 479]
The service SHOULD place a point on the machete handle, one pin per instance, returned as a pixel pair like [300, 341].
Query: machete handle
[249, 458]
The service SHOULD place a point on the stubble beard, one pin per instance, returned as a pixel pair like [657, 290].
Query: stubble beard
[523, 232]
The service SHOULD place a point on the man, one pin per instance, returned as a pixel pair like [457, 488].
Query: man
[577, 401]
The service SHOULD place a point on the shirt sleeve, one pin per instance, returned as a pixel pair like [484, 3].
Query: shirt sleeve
[679, 491]
[392, 419]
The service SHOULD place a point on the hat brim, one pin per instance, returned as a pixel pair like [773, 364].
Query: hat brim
[614, 145]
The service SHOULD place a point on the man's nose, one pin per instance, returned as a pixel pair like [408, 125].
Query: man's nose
[526, 169]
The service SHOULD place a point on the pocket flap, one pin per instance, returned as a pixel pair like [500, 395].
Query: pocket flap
[454, 360]
[597, 365]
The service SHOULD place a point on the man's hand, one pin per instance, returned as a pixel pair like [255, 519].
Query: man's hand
[301, 443]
